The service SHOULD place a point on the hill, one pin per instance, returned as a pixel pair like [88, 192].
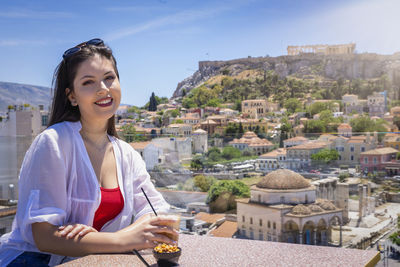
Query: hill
[323, 76]
[17, 94]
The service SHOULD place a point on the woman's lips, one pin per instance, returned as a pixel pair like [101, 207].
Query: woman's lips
[105, 102]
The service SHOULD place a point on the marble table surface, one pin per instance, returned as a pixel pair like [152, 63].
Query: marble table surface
[217, 251]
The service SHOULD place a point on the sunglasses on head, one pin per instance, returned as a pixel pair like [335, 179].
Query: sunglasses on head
[73, 50]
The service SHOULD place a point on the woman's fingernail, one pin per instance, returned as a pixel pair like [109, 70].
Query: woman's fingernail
[69, 235]
[81, 233]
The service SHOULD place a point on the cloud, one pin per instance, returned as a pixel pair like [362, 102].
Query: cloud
[174, 19]
[17, 14]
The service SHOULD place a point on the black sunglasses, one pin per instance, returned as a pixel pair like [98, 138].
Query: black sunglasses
[73, 50]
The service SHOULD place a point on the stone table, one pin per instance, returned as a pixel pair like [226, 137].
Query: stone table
[216, 251]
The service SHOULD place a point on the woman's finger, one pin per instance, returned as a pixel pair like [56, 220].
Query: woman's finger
[165, 230]
[163, 220]
[87, 230]
[161, 239]
[66, 230]
[75, 231]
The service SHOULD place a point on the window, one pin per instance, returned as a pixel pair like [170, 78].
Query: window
[362, 149]
[366, 160]
[375, 160]
[352, 149]
[268, 237]
[352, 157]
[243, 232]
[243, 219]
[274, 225]
[251, 234]
[261, 236]
[260, 222]
[251, 220]
[269, 224]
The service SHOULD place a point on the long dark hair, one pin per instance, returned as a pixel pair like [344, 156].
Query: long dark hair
[63, 78]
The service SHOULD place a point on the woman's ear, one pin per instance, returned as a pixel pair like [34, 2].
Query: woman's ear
[71, 97]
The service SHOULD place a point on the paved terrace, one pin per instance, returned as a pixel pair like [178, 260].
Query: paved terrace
[206, 251]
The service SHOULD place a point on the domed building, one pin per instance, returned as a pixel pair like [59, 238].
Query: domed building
[283, 207]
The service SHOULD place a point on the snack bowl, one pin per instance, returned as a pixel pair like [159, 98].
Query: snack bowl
[168, 256]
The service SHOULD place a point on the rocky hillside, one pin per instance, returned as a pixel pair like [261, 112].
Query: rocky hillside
[17, 94]
[321, 68]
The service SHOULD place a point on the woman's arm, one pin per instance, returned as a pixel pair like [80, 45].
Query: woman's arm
[144, 233]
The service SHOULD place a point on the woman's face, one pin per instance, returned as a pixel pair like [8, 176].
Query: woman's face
[97, 91]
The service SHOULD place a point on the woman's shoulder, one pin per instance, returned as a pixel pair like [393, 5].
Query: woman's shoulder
[61, 132]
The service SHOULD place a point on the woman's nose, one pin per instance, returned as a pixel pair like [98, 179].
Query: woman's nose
[103, 88]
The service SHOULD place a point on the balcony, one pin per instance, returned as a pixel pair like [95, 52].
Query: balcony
[216, 251]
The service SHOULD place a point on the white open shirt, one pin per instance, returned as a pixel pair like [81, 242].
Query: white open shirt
[57, 184]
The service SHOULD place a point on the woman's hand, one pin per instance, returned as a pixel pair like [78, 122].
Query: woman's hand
[72, 230]
[147, 231]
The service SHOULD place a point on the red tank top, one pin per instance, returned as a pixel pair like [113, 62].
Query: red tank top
[110, 206]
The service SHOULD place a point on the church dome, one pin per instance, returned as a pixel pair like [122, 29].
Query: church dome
[283, 179]
[315, 208]
[301, 210]
[325, 204]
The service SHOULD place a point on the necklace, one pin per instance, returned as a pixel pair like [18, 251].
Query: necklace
[99, 145]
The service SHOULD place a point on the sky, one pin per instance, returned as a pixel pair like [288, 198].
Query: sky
[158, 43]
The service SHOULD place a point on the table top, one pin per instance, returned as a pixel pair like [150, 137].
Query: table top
[216, 251]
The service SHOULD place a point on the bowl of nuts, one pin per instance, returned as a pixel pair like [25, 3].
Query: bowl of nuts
[167, 252]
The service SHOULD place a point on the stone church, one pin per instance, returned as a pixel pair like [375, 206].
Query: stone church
[283, 207]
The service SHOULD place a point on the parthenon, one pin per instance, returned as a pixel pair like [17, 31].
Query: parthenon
[322, 49]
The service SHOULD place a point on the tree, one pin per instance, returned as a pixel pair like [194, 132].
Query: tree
[292, 104]
[316, 108]
[153, 103]
[128, 132]
[240, 130]
[325, 155]
[203, 183]
[221, 195]
[197, 163]
[314, 126]
[229, 152]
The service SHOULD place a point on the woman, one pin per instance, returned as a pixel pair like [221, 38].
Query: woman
[78, 174]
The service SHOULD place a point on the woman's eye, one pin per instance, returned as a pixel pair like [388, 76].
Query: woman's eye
[111, 77]
[87, 82]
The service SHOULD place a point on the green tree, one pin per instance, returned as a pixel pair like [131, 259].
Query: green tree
[229, 152]
[128, 132]
[197, 163]
[221, 195]
[203, 183]
[314, 126]
[188, 102]
[153, 103]
[316, 108]
[292, 104]
[325, 155]
[215, 102]
[214, 156]
[175, 113]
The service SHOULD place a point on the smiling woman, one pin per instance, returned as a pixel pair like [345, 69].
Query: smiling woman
[80, 185]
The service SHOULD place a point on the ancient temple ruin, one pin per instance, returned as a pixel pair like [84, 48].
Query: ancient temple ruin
[322, 49]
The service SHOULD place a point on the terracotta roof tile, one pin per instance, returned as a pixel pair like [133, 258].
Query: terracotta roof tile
[226, 229]
[209, 218]
[380, 151]
[139, 145]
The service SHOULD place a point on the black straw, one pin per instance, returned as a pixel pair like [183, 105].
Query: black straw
[141, 258]
[149, 202]
[135, 251]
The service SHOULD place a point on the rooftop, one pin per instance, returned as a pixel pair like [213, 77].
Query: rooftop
[380, 151]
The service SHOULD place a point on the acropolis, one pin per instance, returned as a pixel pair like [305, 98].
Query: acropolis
[322, 49]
